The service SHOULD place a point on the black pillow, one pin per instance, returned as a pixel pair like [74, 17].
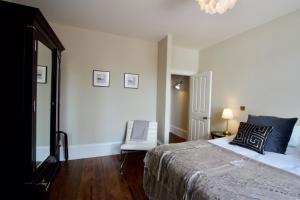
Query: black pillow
[252, 136]
[280, 136]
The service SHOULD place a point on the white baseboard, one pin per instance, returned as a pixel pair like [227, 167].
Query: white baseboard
[84, 151]
[178, 131]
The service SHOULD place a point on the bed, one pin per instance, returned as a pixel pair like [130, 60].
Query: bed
[215, 169]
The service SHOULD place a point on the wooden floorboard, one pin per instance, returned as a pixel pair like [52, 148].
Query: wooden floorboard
[67, 181]
[100, 179]
[176, 139]
[87, 175]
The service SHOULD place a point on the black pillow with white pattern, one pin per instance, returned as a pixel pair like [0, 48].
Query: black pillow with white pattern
[252, 136]
[282, 130]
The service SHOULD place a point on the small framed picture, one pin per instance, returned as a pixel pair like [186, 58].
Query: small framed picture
[131, 81]
[41, 75]
[100, 78]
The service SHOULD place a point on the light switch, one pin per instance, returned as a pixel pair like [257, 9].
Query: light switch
[242, 108]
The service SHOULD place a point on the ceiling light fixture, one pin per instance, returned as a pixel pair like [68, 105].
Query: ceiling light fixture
[216, 6]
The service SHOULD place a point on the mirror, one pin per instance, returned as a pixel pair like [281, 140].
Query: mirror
[43, 102]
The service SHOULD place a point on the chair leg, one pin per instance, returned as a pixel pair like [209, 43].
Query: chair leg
[122, 161]
[121, 153]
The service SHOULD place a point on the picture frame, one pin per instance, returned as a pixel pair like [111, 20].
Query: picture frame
[101, 78]
[41, 74]
[131, 80]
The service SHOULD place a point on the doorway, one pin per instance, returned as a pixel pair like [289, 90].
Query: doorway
[179, 119]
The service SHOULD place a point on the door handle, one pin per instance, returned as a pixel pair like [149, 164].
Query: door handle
[204, 117]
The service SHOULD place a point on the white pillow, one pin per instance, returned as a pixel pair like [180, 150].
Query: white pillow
[295, 137]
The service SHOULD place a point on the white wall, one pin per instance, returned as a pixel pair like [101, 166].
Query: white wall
[184, 61]
[163, 88]
[259, 69]
[96, 115]
[180, 106]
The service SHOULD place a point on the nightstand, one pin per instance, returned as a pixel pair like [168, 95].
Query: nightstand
[217, 134]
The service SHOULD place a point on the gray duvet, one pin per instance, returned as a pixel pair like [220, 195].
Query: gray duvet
[201, 170]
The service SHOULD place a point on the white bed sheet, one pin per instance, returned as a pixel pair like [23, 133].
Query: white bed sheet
[289, 162]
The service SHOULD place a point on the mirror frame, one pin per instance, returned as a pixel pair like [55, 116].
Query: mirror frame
[40, 177]
[42, 173]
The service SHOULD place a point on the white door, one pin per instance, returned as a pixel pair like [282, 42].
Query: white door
[200, 105]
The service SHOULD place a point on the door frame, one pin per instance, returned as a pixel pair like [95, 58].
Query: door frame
[168, 99]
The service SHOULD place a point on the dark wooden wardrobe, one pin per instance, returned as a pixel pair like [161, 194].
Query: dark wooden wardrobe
[32, 61]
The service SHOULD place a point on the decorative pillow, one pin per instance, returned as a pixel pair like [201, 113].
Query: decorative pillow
[282, 129]
[252, 136]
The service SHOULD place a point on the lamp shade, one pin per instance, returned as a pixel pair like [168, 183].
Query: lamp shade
[227, 113]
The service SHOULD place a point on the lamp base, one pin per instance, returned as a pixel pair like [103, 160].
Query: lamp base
[226, 133]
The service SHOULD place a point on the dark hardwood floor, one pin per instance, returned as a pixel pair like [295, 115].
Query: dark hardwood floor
[100, 179]
[176, 139]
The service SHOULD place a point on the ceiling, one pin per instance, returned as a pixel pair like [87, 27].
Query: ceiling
[152, 19]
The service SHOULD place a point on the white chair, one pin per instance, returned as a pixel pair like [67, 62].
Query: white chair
[145, 145]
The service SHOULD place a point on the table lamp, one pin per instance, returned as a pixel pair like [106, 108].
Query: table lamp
[227, 114]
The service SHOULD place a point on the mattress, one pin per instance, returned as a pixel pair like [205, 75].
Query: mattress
[290, 161]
